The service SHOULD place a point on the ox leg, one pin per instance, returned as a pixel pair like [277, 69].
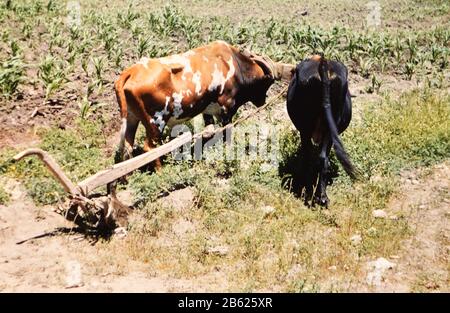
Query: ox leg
[125, 148]
[130, 134]
[307, 169]
[320, 196]
[208, 119]
[227, 118]
[127, 134]
[152, 139]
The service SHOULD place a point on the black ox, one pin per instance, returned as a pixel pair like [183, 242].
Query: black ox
[319, 105]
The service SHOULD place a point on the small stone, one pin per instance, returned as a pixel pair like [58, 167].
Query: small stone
[393, 217]
[268, 210]
[304, 13]
[126, 197]
[294, 271]
[266, 167]
[356, 239]
[73, 274]
[218, 250]
[376, 179]
[120, 232]
[431, 285]
[376, 270]
[379, 214]
[333, 268]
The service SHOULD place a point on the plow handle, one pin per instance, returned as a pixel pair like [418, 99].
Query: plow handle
[54, 168]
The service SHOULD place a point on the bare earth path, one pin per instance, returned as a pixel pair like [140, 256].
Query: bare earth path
[423, 263]
[68, 262]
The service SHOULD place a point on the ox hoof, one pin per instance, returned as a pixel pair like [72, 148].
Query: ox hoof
[322, 201]
[208, 132]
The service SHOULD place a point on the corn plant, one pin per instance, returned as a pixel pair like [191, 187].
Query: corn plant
[51, 72]
[85, 107]
[409, 69]
[84, 65]
[365, 66]
[127, 17]
[142, 46]
[50, 5]
[117, 56]
[27, 30]
[11, 75]
[375, 85]
[8, 4]
[99, 63]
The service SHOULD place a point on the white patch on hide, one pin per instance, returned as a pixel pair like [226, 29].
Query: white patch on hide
[181, 59]
[198, 84]
[159, 116]
[177, 109]
[144, 62]
[218, 79]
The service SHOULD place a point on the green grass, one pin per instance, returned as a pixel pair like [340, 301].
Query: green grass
[4, 196]
[77, 150]
[397, 134]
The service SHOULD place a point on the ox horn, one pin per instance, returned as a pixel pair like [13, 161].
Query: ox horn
[264, 62]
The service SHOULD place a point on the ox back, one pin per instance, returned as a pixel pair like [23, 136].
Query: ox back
[319, 105]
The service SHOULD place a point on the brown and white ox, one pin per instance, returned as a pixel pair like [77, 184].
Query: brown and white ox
[215, 79]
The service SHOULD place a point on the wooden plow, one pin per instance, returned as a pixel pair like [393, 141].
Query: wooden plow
[105, 213]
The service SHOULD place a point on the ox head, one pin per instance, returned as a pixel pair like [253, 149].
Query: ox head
[263, 72]
[257, 76]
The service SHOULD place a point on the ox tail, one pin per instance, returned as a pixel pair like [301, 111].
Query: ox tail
[123, 107]
[341, 154]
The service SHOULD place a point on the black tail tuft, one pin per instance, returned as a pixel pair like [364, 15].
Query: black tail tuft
[341, 154]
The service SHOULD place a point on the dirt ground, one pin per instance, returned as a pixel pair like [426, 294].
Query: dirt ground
[423, 263]
[60, 259]
[40, 252]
